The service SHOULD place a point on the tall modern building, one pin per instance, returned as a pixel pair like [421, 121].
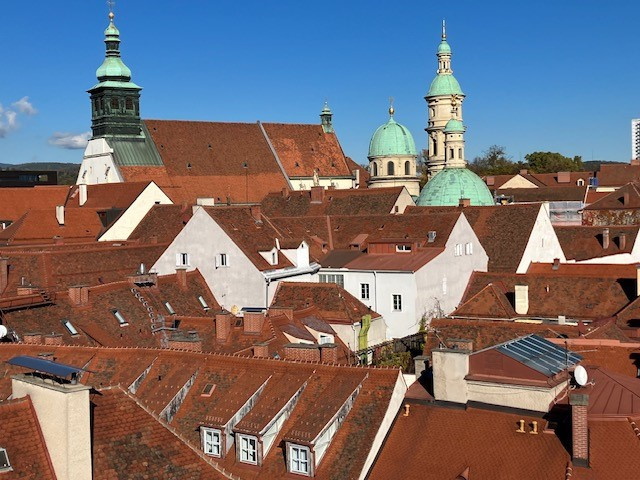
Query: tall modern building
[635, 138]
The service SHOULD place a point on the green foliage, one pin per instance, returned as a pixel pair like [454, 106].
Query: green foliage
[495, 161]
[421, 166]
[391, 359]
[551, 162]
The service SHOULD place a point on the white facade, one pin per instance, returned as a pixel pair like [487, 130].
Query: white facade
[305, 183]
[433, 290]
[132, 216]
[635, 138]
[98, 165]
[234, 281]
[543, 245]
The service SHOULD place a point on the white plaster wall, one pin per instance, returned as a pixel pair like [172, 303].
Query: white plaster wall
[240, 284]
[98, 165]
[543, 245]
[455, 269]
[449, 369]
[516, 396]
[349, 333]
[305, 183]
[404, 200]
[518, 181]
[132, 216]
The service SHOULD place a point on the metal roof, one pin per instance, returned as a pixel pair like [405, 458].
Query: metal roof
[539, 354]
[45, 366]
[135, 151]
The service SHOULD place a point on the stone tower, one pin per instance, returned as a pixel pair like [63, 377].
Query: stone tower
[115, 100]
[444, 100]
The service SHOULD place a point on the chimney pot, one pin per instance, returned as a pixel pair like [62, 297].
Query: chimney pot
[623, 241]
[60, 214]
[556, 264]
[407, 407]
[522, 299]
[605, 238]
[534, 428]
[520, 426]
[317, 194]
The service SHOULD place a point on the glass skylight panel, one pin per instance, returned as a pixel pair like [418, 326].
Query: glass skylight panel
[203, 302]
[121, 320]
[67, 324]
[4, 460]
[169, 308]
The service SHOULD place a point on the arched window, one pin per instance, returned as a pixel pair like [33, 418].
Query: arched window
[580, 182]
[435, 146]
[375, 169]
[407, 168]
[390, 170]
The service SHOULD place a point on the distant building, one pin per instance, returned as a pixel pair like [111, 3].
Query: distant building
[635, 138]
[26, 178]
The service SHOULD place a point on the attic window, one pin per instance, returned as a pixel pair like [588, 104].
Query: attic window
[403, 248]
[70, 328]
[121, 320]
[297, 164]
[189, 166]
[169, 308]
[211, 441]
[203, 302]
[248, 449]
[5, 465]
[208, 390]
[299, 458]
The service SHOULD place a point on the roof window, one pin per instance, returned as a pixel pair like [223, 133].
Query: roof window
[169, 308]
[203, 302]
[208, 389]
[121, 320]
[5, 465]
[70, 328]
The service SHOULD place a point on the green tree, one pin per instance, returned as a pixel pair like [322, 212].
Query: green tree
[494, 161]
[421, 166]
[551, 162]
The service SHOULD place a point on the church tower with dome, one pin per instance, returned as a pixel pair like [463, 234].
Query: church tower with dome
[444, 101]
[392, 157]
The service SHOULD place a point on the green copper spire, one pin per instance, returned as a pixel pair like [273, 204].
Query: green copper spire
[444, 83]
[326, 117]
[115, 100]
[391, 139]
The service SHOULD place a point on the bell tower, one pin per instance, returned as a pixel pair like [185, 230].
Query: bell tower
[115, 99]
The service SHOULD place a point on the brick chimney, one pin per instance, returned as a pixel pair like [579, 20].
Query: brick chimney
[79, 295]
[491, 180]
[63, 411]
[261, 350]
[524, 171]
[308, 352]
[464, 202]
[556, 264]
[256, 213]
[317, 194]
[579, 429]
[53, 339]
[522, 299]
[60, 214]
[82, 194]
[605, 238]
[286, 311]
[189, 341]
[4, 273]
[181, 277]
[32, 338]
[253, 322]
[223, 326]
[329, 353]
[564, 177]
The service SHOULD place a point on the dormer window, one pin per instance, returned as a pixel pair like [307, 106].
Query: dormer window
[5, 465]
[274, 258]
[70, 328]
[403, 248]
[203, 302]
[222, 260]
[211, 441]
[121, 320]
[299, 459]
[248, 449]
[169, 308]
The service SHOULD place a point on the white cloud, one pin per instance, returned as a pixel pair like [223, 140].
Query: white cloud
[70, 141]
[24, 106]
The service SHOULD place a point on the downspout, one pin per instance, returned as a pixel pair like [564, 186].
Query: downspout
[375, 286]
[266, 292]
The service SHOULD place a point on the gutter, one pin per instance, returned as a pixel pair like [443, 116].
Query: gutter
[272, 275]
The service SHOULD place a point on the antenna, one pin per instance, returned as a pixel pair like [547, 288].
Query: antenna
[3, 331]
[580, 375]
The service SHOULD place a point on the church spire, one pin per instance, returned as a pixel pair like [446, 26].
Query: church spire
[115, 100]
[444, 53]
[326, 117]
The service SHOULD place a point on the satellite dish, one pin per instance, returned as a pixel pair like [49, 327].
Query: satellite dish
[3, 331]
[580, 375]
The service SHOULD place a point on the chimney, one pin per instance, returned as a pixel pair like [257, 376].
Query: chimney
[464, 202]
[82, 194]
[60, 214]
[522, 299]
[625, 198]
[189, 341]
[622, 243]
[223, 326]
[356, 174]
[181, 277]
[579, 429]
[63, 413]
[256, 212]
[491, 181]
[287, 311]
[253, 322]
[317, 194]
[79, 295]
[329, 353]
[564, 177]
[4, 273]
[635, 162]
[261, 350]
[605, 238]
[556, 264]
[524, 171]
[308, 352]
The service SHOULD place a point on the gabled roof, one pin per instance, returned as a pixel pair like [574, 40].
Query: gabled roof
[303, 148]
[490, 302]
[624, 198]
[162, 223]
[15, 202]
[616, 175]
[613, 394]
[107, 195]
[545, 194]
[610, 270]
[586, 242]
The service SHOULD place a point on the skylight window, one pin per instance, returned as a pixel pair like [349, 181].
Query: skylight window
[208, 390]
[5, 465]
[169, 308]
[70, 328]
[121, 320]
[203, 302]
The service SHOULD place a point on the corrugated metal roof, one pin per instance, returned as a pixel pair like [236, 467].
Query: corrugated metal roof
[135, 151]
[539, 354]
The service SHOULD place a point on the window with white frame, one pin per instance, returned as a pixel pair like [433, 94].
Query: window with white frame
[182, 259]
[5, 464]
[222, 260]
[211, 441]
[444, 285]
[403, 248]
[169, 308]
[364, 291]
[248, 449]
[331, 278]
[299, 459]
[274, 258]
[203, 302]
[468, 248]
[70, 328]
[325, 339]
[458, 250]
[121, 320]
[397, 302]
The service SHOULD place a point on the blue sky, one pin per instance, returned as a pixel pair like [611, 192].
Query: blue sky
[543, 75]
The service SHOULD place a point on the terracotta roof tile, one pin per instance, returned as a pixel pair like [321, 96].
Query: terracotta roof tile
[625, 197]
[162, 224]
[584, 269]
[616, 175]
[584, 242]
[107, 195]
[545, 194]
[15, 202]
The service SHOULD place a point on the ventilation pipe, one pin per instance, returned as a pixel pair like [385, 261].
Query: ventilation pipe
[605, 238]
[522, 299]
[60, 214]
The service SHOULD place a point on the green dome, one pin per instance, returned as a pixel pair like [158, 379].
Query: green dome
[454, 126]
[444, 84]
[444, 47]
[113, 67]
[392, 139]
[448, 186]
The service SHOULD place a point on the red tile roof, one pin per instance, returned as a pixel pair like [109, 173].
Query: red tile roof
[162, 223]
[585, 242]
[584, 269]
[21, 437]
[616, 175]
[546, 194]
[15, 202]
[305, 148]
[616, 200]
[107, 195]
[364, 174]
